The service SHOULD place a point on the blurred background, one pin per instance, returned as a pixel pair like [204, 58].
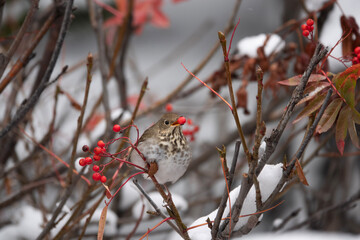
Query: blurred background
[165, 34]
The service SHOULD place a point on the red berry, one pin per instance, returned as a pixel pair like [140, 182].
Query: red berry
[88, 160]
[186, 132]
[116, 128]
[103, 179]
[304, 27]
[82, 162]
[101, 144]
[85, 148]
[181, 120]
[189, 121]
[311, 28]
[358, 56]
[357, 50]
[97, 150]
[305, 33]
[168, 107]
[96, 176]
[355, 60]
[196, 128]
[96, 168]
[96, 157]
[310, 22]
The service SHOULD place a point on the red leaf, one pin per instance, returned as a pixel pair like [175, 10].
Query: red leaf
[340, 145]
[355, 115]
[329, 116]
[159, 19]
[345, 83]
[341, 129]
[353, 134]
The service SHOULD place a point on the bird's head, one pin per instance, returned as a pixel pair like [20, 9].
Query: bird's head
[170, 121]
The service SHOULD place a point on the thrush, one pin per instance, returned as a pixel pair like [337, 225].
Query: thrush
[164, 144]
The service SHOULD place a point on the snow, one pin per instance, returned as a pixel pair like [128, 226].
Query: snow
[249, 45]
[268, 179]
[27, 224]
[332, 30]
[180, 203]
[277, 222]
[301, 235]
[262, 148]
[111, 221]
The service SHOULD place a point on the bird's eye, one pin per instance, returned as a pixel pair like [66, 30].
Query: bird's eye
[166, 122]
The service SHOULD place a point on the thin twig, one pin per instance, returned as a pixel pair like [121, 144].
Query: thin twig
[273, 140]
[11, 199]
[153, 204]
[20, 35]
[25, 108]
[287, 219]
[197, 69]
[134, 114]
[297, 95]
[125, 31]
[81, 116]
[23, 59]
[341, 206]
[259, 131]
[224, 196]
[173, 212]
[222, 39]
[97, 24]
[288, 170]
[58, 209]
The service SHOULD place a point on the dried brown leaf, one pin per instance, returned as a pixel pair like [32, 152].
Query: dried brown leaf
[102, 223]
[329, 116]
[313, 105]
[300, 173]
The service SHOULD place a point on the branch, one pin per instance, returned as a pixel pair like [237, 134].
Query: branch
[25, 108]
[197, 69]
[19, 36]
[58, 209]
[272, 141]
[286, 174]
[153, 204]
[222, 39]
[297, 95]
[97, 24]
[224, 196]
[81, 116]
[341, 206]
[123, 39]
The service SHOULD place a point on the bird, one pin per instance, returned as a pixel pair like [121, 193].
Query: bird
[164, 144]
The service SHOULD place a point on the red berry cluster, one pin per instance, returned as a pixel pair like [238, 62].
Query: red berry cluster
[356, 59]
[98, 151]
[308, 28]
[191, 132]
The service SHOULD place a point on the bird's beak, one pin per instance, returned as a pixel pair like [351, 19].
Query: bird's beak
[177, 122]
